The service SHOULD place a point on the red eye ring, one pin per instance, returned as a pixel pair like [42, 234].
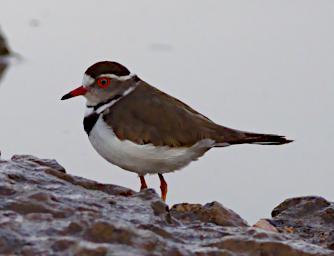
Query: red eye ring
[103, 82]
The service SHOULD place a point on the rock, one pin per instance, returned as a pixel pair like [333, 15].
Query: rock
[46, 211]
[265, 225]
[309, 218]
[210, 213]
[42, 163]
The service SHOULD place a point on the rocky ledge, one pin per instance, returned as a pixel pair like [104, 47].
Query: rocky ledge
[44, 211]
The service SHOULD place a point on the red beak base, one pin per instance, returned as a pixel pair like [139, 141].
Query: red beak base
[76, 92]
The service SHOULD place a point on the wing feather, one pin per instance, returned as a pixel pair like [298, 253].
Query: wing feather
[148, 115]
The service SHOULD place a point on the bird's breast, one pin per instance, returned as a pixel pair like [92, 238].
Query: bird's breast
[142, 159]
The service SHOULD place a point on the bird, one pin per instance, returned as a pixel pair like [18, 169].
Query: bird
[144, 130]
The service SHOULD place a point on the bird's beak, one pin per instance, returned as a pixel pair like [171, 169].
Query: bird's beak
[76, 92]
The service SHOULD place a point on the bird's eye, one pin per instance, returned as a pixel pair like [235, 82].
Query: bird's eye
[103, 82]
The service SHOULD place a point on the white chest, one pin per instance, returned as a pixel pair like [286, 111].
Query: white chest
[143, 159]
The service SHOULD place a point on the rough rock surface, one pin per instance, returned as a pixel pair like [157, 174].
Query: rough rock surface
[44, 211]
[309, 218]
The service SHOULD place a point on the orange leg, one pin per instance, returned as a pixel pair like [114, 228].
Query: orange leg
[163, 187]
[143, 184]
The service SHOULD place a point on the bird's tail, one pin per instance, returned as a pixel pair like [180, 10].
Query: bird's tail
[240, 137]
[264, 139]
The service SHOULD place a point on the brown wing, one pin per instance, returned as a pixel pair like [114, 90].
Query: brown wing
[148, 115]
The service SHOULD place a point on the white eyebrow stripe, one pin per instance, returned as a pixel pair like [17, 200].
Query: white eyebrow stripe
[88, 80]
[120, 78]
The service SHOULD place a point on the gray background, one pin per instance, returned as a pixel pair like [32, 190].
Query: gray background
[264, 66]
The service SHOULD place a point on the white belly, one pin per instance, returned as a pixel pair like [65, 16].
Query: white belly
[143, 159]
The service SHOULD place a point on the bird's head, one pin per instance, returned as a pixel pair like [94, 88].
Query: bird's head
[102, 81]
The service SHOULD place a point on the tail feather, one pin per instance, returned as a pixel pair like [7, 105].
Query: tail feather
[240, 137]
[265, 139]
[269, 139]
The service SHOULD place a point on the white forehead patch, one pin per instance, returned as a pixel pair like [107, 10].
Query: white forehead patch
[87, 80]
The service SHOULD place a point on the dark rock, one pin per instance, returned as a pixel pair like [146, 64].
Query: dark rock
[45, 211]
[210, 213]
[73, 228]
[6, 190]
[45, 164]
[8, 241]
[98, 251]
[105, 232]
[63, 245]
[308, 218]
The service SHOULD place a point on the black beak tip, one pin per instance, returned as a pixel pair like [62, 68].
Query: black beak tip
[66, 96]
